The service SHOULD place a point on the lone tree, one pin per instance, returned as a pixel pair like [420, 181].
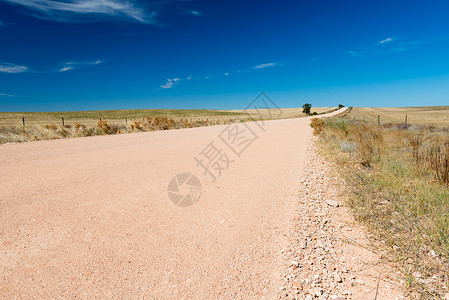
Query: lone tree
[340, 106]
[306, 108]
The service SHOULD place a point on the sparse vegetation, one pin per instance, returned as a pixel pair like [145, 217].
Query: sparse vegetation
[103, 127]
[434, 155]
[317, 125]
[397, 181]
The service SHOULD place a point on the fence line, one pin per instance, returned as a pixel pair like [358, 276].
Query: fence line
[406, 122]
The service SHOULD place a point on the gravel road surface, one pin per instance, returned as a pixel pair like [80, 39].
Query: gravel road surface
[91, 217]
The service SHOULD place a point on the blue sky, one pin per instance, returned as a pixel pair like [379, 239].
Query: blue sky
[113, 54]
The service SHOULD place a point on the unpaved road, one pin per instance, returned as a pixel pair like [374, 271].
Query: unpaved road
[91, 217]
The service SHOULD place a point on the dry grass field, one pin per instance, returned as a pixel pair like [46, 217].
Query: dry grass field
[398, 185]
[426, 115]
[49, 125]
[91, 118]
[284, 113]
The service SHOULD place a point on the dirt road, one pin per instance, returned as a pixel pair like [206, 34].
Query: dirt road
[91, 217]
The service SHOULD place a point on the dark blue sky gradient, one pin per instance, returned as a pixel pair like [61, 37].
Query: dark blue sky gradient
[221, 54]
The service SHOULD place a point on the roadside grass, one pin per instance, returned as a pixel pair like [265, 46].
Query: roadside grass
[48, 125]
[397, 188]
[16, 133]
[90, 118]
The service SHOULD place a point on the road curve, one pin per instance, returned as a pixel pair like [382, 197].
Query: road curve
[91, 217]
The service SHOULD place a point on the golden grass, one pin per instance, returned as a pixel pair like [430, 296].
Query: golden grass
[317, 125]
[432, 115]
[91, 118]
[48, 125]
[284, 112]
[395, 188]
[103, 127]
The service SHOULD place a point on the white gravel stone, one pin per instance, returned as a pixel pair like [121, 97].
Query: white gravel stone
[332, 203]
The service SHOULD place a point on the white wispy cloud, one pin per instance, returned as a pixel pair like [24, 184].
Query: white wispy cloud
[392, 45]
[264, 66]
[65, 69]
[68, 66]
[94, 10]
[5, 95]
[387, 40]
[70, 10]
[170, 83]
[353, 53]
[12, 68]
[255, 68]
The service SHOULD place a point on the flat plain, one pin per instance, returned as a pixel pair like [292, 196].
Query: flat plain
[425, 115]
[91, 118]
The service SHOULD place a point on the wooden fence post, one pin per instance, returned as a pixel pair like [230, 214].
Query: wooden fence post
[23, 121]
[62, 121]
[378, 120]
[406, 125]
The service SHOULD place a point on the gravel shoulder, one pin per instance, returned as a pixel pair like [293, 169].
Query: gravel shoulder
[330, 255]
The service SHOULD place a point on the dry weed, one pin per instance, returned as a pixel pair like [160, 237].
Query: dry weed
[317, 125]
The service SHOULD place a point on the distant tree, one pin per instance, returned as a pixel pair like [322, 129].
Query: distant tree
[315, 113]
[306, 108]
[340, 106]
